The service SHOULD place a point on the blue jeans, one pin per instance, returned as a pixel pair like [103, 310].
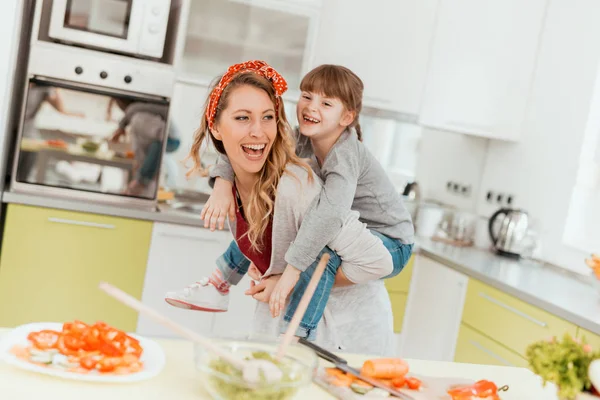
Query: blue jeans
[400, 252]
[234, 265]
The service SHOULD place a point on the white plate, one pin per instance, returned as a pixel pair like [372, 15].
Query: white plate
[153, 357]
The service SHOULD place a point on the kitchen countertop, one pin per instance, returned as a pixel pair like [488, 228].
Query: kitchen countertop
[180, 380]
[553, 289]
[558, 291]
[165, 214]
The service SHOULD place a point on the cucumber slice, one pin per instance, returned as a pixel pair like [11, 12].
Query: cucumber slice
[42, 358]
[360, 389]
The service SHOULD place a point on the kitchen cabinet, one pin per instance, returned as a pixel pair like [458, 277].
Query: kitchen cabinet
[481, 68]
[386, 43]
[591, 338]
[433, 311]
[474, 348]
[221, 33]
[397, 288]
[508, 320]
[53, 260]
[179, 256]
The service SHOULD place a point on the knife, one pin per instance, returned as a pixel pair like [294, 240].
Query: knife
[342, 364]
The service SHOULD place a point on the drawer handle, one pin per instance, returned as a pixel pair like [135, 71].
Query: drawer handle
[188, 237]
[81, 223]
[490, 353]
[513, 310]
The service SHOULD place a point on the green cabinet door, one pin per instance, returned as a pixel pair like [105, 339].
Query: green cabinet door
[52, 261]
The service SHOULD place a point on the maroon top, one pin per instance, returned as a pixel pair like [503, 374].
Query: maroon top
[262, 260]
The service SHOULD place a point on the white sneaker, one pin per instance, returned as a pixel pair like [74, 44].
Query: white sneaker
[200, 296]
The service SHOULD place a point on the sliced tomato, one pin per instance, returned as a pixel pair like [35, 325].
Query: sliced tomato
[413, 383]
[398, 382]
[76, 327]
[90, 361]
[108, 364]
[485, 388]
[92, 339]
[132, 346]
[481, 389]
[43, 340]
[110, 349]
[69, 345]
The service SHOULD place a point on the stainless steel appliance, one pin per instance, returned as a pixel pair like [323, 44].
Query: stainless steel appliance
[136, 27]
[509, 232]
[82, 136]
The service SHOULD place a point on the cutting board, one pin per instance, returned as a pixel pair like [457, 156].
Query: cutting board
[433, 388]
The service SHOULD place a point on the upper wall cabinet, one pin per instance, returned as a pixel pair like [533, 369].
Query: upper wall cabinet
[481, 67]
[386, 43]
[220, 33]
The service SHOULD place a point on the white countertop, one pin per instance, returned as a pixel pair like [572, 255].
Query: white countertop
[179, 380]
[553, 289]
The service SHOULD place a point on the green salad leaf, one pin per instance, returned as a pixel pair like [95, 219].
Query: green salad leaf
[564, 363]
[263, 390]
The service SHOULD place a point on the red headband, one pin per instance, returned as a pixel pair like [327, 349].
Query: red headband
[258, 67]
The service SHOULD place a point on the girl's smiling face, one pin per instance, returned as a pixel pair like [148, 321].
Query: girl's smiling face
[319, 115]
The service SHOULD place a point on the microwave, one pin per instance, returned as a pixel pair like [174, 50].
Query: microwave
[134, 27]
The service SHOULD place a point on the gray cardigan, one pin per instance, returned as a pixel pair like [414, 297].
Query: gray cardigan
[355, 180]
[354, 315]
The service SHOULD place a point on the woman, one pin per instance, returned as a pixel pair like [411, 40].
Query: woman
[245, 119]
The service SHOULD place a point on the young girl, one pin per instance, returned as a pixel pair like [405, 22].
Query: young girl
[264, 223]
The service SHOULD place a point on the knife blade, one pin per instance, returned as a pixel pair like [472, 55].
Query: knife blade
[342, 364]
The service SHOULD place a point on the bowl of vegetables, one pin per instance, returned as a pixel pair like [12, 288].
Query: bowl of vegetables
[224, 382]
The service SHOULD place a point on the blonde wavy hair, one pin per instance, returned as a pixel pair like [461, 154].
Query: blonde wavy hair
[262, 197]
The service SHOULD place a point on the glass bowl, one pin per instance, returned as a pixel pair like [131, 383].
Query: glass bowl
[223, 382]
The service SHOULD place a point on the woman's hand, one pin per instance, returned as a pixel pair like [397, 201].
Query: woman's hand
[219, 205]
[262, 291]
[282, 290]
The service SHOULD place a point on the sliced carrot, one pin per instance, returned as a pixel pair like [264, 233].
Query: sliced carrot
[342, 381]
[335, 372]
[385, 368]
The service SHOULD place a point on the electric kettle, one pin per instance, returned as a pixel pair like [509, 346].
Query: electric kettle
[509, 232]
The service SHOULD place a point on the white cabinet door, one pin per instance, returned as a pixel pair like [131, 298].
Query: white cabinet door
[386, 43]
[433, 311]
[481, 66]
[181, 255]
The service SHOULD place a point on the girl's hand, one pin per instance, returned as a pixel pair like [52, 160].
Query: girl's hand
[219, 205]
[282, 290]
[262, 291]
[253, 272]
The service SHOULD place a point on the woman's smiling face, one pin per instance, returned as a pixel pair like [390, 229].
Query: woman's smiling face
[247, 127]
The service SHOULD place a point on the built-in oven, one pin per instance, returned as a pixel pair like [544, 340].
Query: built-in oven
[92, 127]
[136, 27]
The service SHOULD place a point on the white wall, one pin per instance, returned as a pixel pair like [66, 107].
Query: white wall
[541, 169]
[446, 156]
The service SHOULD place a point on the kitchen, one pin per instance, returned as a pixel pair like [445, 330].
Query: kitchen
[498, 119]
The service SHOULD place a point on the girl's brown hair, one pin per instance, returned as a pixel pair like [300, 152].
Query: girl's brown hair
[262, 197]
[340, 83]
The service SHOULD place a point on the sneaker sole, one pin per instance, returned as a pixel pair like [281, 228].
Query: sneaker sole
[189, 306]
